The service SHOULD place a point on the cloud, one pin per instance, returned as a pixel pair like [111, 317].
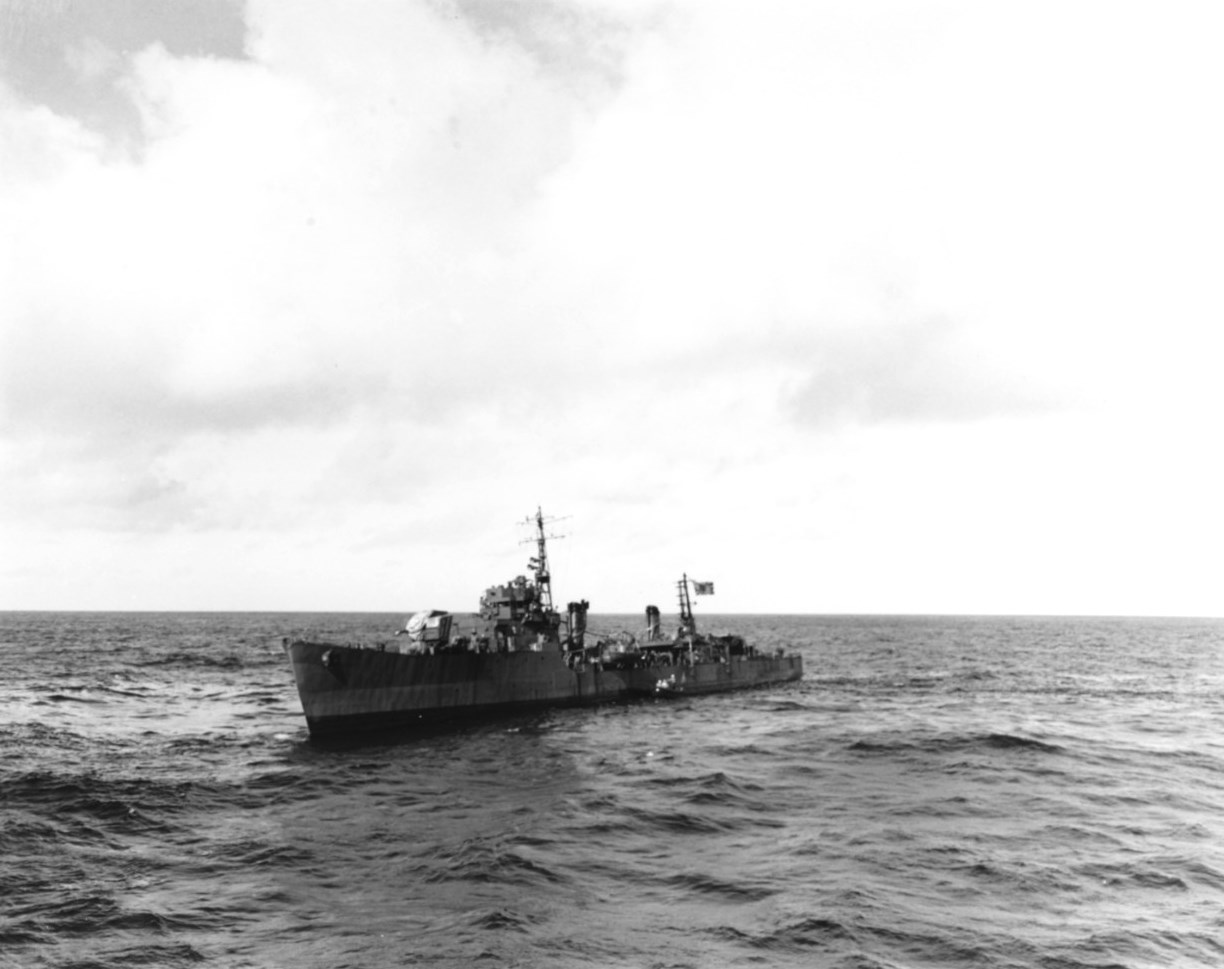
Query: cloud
[291, 222]
[317, 239]
[921, 373]
[324, 269]
[72, 55]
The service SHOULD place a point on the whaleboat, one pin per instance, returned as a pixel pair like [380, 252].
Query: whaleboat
[519, 654]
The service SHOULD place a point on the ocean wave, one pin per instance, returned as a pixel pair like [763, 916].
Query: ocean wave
[160, 956]
[678, 822]
[247, 854]
[799, 935]
[961, 743]
[488, 860]
[90, 913]
[201, 658]
[721, 888]
[504, 920]
[79, 697]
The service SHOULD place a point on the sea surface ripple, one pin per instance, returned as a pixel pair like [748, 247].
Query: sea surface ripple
[951, 792]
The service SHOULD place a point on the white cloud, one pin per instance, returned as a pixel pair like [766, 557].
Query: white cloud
[805, 290]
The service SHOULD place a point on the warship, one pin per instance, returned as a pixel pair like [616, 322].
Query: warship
[519, 654]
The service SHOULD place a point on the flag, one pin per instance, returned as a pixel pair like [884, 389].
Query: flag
[703, 588]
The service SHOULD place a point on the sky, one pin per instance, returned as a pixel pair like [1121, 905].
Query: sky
[851, 306]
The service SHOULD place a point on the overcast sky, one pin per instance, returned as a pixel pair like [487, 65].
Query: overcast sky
[845, 306]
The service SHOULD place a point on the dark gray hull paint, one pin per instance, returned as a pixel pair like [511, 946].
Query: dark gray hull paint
[346, 689]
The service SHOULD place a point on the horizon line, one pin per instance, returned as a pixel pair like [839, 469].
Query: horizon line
[614, 612]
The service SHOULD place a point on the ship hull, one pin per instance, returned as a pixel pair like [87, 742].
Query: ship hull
[347, 689]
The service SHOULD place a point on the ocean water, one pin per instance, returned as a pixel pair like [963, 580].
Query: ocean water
[951, 792]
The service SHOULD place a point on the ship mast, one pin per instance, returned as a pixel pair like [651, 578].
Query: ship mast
[539, 564]
[686, 605]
